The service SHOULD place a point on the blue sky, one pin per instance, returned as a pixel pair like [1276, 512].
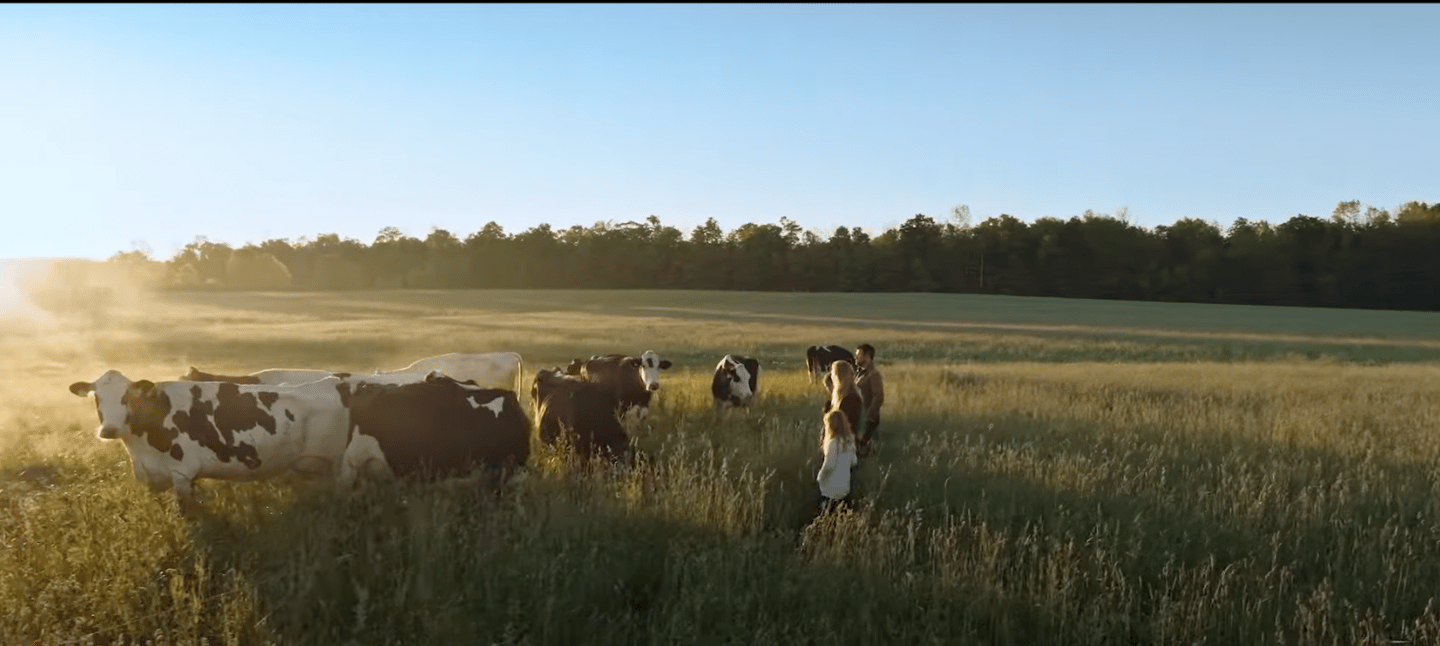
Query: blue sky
[160, 123]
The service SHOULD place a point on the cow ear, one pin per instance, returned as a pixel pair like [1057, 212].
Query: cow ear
[665, 364]
[144, 386]
[633, 362]
[82, 388]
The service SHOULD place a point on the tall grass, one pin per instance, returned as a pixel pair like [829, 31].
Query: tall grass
[1016, 498]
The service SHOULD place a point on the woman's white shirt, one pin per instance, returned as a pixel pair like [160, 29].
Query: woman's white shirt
[834, 476]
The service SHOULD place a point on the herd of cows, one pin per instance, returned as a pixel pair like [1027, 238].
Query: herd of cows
[438, 417]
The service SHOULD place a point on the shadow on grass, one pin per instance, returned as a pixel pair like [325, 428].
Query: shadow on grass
[1164, 500]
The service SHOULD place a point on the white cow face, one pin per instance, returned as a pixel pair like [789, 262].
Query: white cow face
[739, 377]
[113, 392]
[650, 366]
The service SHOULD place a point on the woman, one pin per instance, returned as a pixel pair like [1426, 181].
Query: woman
[844, 395]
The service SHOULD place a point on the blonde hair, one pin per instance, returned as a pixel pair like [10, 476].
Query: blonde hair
[844, 375]
[836, 426]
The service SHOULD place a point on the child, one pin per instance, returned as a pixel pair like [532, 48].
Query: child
[838, 445]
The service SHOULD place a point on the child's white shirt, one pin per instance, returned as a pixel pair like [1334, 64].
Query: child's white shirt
[834, 476]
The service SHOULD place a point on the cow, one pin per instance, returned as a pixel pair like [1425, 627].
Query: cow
[488, 370]
[295, 377]
[268, 377]
[179, 431]
[736, 381]
[818, 359]
[433, 428]
[580, 411]
[632, 380]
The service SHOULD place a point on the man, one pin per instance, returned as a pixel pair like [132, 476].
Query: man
[871, 385]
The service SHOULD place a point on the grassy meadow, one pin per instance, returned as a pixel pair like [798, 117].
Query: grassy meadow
[1050, 472]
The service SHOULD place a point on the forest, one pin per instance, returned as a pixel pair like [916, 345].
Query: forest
[1358, 257]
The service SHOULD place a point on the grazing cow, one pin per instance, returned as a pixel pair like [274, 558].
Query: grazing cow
[736, 382]
[819, 358]
[487, 370]
[844, 396]
[179, 431]
[582, 411]
[632, 380]
[437, 427]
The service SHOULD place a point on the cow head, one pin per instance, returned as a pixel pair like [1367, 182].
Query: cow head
[575, 369]
[650, 365]
[545, 383]
[116, 398]
[735, 372]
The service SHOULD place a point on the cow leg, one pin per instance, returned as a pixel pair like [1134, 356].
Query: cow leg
[312, 473]
[345, 480]
[312, 466]
[185, 501]
[636, 415]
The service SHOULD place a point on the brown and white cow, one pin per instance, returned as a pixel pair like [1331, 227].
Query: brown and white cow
[434, 428]
[632, 380]
[179, 431]
[580, 412]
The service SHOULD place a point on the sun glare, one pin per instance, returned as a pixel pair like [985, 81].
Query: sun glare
[14, 303]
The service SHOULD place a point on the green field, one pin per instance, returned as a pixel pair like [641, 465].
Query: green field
[1052, 471]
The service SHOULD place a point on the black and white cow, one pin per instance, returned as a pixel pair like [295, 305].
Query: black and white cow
[179, 431]
[434, 428]
[581, 412]
[633, 381]
[736, 382]
[818, 359]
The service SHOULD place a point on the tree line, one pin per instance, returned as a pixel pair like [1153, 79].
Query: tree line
[1358, 257]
